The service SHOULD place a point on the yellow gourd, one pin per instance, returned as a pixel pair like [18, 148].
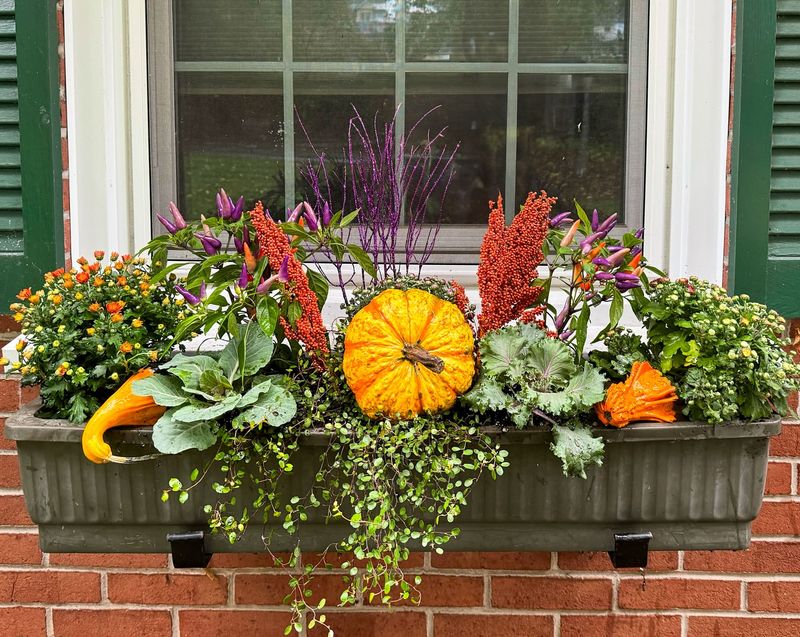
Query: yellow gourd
[645, 395]
[408, 352]
[123, 407]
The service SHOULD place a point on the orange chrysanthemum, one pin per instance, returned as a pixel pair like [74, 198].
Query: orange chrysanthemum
[510, 257]
[274, 244]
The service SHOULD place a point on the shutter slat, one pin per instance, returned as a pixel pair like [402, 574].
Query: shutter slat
[11, 222]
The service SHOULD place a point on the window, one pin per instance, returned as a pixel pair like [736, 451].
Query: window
[542, 94]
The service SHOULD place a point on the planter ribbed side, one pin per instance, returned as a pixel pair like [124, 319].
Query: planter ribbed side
[692, 485]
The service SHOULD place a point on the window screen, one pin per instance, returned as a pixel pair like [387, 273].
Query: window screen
[541, 94]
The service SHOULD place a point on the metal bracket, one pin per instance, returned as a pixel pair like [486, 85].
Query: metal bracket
[630, 550]
[188, 550]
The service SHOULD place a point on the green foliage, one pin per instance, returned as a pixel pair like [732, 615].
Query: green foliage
[725, 355]
[204, 393]
[577, 449]
[623, 348]
[395, 484]
[530, 376]
[88, 329]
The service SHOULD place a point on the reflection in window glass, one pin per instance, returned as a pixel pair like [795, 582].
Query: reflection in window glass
[229, 134]
[472, 109]
[344, 30]
[229, 30]
[325, 102]
[571, 139]
[572, 30]
[456, 31]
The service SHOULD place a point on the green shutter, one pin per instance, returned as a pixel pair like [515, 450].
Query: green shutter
[31, 211]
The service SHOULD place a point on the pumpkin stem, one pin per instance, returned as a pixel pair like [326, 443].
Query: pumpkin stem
[417, 354]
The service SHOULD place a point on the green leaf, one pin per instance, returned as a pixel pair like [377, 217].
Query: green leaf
[587, 225]
[161, 274]
[349, 218]
[255, 350]
[581, 393]
[195, 412]
[171, 436]
[553, 360]
[581, 329]
[274, 407]
[294, 312]
[267, 312]
[577, 449]
[214, 382]
[229, 359]
[503, 351]
[164, 390]
[318, 283]
[363, 259]
[487, 395]
[252, 395]
[189, 368]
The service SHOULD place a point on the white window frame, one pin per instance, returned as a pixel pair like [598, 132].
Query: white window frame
[689, 59]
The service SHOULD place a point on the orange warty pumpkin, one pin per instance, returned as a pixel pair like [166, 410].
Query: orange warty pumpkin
[408, 352]
[645, 395]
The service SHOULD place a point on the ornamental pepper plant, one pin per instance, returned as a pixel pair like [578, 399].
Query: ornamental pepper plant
[89, 328]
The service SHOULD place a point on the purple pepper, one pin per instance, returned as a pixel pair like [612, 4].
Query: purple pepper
[627, 285]
[595, 220]
[602, 262]
[283, 271]
[559, 219]
[310, 217]
[566, 334]
[608, 224]
[244, 279]
[236, 213]
[294, 215]
[639, 234]
[561, 319]
[177, 217]
[238, 244]
[615, 248]
[171, 228]
[211, 245]
[586, 244]
[618, 257]
[223, 204]
[636, 250]
[326, 214]
[603, 276]
[191, 299]
[625, 276]
[263, 287]
[245, 234]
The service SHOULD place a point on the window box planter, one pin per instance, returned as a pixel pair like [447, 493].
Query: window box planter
[692, 485]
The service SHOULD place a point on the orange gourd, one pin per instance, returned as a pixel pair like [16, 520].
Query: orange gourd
[408, 352]
[123, 407]
[645, 395]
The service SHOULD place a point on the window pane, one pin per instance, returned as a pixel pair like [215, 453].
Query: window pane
[229, 134]
[456, 31]
[229, 30]
[572, 30]
[572, 139]
[473, 108]
[325, 102]
[344, 30]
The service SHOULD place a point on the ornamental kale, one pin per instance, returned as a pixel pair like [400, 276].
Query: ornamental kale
[528, 375]
[623, 348]
[724, 354]
[203, 391]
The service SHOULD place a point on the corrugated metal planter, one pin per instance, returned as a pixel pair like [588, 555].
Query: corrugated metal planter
[692, 485]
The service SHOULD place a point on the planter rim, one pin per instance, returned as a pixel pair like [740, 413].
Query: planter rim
[24, 426]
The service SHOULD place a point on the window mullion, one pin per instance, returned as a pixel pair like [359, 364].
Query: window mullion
[288, 105]
[511, 109]
[400, 90]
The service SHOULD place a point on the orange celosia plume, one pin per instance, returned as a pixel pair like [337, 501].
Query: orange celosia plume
[274, 244]
[510, 257]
